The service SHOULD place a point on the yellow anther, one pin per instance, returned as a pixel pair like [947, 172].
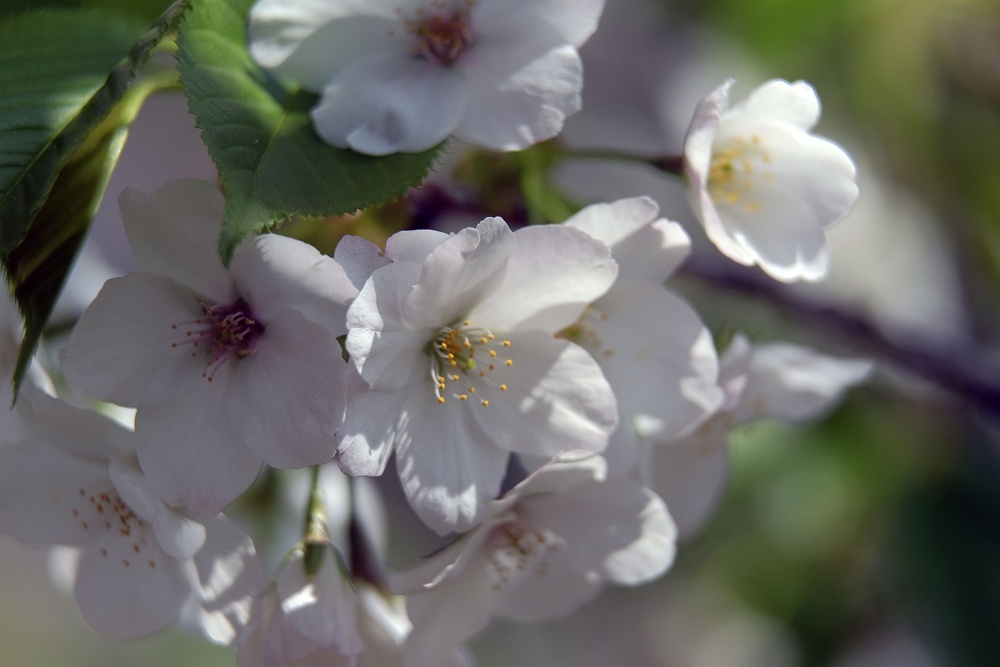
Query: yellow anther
[455, 378]
[485, 403]
[503, 387]
[472, 390]
[466, 322]
[463, 397]
[440, 399]
[509, 362]
[482, 374]
[493, 353]
[506, 343]
[483, 339]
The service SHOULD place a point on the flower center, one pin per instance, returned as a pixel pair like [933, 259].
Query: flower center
[734, 169]
[462, 356]
[516, 549]
[221, 333]
[585, 334]
[118, 534]
[442, 32]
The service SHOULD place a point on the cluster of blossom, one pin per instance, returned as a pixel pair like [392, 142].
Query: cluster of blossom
[554, 411]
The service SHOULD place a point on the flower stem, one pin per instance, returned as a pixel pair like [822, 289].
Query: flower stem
[316, 536]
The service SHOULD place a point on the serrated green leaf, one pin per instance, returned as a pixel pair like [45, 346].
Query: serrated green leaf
[82, 154]
[51, 65]
[271, 163]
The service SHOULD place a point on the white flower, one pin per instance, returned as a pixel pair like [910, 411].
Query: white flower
[762, 186]
[403, 75]
[226, 368]
[653, 348]
[456, 362]
[302, 615]
[543, 549]
[142, 566]
[778, 381]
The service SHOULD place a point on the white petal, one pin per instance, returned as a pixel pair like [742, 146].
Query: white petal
[656, 353]
[796, 384]
[311, 40]
[321, 607]
[413, 245]
[179, 536]
[384, 350]
[458, 273]
[129, 597]
[359, 258]
[130, 348]
[449, 469]
[189, 452]
[229, 576]
[445, 617]
[574, 268]
[777, 100]
[367, 437]
[40, 501]
[174, 233]
[276, 272]
[691, 476]
[391, 102]
[556, 399]
[513, 104]
[616, 530]
[644, 247]
[288, 396]
[574, 20]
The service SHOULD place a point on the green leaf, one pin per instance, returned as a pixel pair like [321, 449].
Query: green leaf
[51, 65]
[271, 163]
[83, 154]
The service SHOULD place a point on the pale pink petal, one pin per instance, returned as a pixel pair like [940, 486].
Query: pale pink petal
[195, 460]
[229, 576]
[449, 469]
[178, 535]
[359, 258]
[309, 41]
[615, 530]
[130, 596]
[513, 104]
[275, 272]
[174, 233]
[389, 102]
[574, 268]
[796, 384]
[291, 393]
[691, 476]
[644, 247]
[458, 273]
[371, 424]
[777, 100]
[574, 20]
[322, 607]
[444, 618]
[556, 399]
[130, 348]
[656, 353]
[413, 245]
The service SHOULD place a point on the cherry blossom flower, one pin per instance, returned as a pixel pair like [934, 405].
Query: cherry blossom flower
[302, 615]
[226, 368]
[781, 381]
[455, 362]
[543, 549]
[403, 75]
[653, 348]
[142, 566]
[762, 185]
